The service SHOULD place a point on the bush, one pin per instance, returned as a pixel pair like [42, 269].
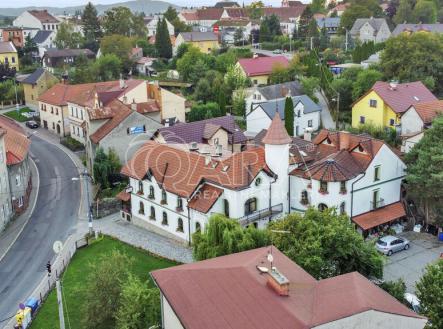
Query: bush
[72, 144]
[389, 135]
[396, 289]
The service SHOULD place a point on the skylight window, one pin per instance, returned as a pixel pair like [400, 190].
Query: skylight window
[416, 98]
[225, 168]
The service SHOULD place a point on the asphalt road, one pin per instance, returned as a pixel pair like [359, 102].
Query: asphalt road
[54, 218]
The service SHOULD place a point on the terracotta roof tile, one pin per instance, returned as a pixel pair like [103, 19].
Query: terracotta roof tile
[429, 110]
[209, 14]
[43, 16]
[285, 14]
[148, 107]
[380, 216]
[205, 198]
[403, 95]
[277, 134]
[123, 196]
[262, 65]
[229, 292]
[16, 142]
[181, 172]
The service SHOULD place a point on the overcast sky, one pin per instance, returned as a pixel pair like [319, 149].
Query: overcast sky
[68, 3]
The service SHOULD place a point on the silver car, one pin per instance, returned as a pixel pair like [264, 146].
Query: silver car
[390, 244]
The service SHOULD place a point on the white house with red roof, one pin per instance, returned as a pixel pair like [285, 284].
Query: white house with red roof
[38, 19]
[247, 291]
[258, 69]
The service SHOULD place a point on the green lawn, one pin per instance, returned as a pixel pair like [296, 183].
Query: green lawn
[17, 116]
[76, 275]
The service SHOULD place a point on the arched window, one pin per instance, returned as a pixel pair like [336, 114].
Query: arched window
[179, 204]
[179, 225]
[165, 218]
[140, 187]
[152, 215]
[198, 227]
[141, 208]
[322, 207]
[164, 200]
[304, 197]
[342, 208]
[226, 207]
[151, 192]
[250, 206]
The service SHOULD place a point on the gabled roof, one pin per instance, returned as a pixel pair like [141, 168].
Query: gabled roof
[51, 53]
[16, 142]
[195, 131]
[285, 14]
[336, 156]
[43, 16]
[226, 4]
[205, 198]
[7, 47]
[262, 65]
[190, 16]
[428, 111]
[276, 134]
[41, 36]
[271, 107]
[236, 12]
[230, 292]
[281, 90]
[376, 24]
[181, 172]
[403, 95]
[34, 76]
[328, 22]
[436, 28]
[229, 22]
[199, 36]
[209, 14]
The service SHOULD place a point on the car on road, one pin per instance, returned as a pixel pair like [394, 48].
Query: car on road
[390, 244]
[277, 51]
[32, 124]
[413, 301]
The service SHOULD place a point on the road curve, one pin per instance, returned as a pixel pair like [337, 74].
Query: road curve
[54, 218]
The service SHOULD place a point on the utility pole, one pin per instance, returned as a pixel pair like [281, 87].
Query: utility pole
[60, 303]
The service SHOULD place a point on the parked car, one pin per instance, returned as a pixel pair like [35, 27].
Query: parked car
[413, 301]
[277, 51]
[31, 124]
[390, 244]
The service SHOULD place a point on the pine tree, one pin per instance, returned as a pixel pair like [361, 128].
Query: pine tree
[91, 27]
[404, 13]
[162, 40]
[289, 116]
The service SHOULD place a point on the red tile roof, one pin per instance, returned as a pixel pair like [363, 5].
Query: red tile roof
[190, 16]
[429, 110]
[209, 14]
[380, 216]
[400, 98]
[148, 107]
[205, 198]
[16, 142]
[334, 156]
[118, 112]
[285, 14]
[262, 65]
[236, 12]
[43, 16]
[229, 292]
[181, 172]
[277, 134]
[123, 196]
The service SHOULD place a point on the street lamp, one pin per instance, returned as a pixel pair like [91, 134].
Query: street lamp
[15, 89]
[85, 174]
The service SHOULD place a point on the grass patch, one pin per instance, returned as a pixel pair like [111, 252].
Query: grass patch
[111, 192]
[72, 144]
[75, 281]
[18, 116]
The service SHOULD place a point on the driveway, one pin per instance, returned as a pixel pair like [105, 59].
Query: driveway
[326, 117]
[409, 264]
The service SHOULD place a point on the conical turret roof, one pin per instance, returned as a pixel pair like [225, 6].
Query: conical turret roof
[277, 134]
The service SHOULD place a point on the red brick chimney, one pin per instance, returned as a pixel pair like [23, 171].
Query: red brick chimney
[278, 282]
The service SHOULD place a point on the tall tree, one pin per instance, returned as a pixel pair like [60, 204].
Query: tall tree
[303, 24]
[365, 80]
[162, 40]
[430, 294]
[118, 45]
[270, 28]
[91, 27]
[404, 13]
[120, 20]
[66, 37]
[424, 169]
[352, 13]
[425, 11]
[289, 116]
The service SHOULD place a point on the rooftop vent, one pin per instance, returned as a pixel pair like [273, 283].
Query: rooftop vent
[278, 282]
[393, 85]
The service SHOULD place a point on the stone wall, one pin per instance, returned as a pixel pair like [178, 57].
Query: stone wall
[106, 207]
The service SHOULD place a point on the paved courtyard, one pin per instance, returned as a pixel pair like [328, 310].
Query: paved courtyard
[409, 264]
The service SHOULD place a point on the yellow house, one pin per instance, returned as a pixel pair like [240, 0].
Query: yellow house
[258, 69]
[205, 41]
[36, 84]
[8, 54]
[384, 104]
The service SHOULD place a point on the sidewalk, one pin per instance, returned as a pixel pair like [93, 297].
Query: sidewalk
[15, 227]
[139, 237]
[326, 117]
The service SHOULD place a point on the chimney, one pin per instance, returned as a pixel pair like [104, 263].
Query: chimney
[393, 85]
[122, 83]
[278, 282]
[344, 137]
[307, 136]
[134, 106]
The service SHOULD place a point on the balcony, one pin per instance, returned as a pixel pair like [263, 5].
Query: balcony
[261, 214]
[378, 204]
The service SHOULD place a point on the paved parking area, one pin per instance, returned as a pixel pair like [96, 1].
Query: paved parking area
[409, 264]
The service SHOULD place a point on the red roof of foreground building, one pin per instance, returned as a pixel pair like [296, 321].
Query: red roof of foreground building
[181, 172]
[400, 97]
[16, 142]
[380, 216]
[205, 198]
[262, 65]
[429, 110]
[230, 292]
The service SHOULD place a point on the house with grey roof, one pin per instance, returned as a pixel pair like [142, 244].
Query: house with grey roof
[35, 84]
[205, 41]
[370, 29]
[258, 94]
[331, 24]
[44, 41]
[412, 28]
[306, 114]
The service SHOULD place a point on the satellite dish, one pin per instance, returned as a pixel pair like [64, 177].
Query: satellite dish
[270, 258]
[57, 246]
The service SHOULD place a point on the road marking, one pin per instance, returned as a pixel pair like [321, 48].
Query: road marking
[30, 213]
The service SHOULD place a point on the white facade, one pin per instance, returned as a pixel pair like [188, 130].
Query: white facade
[359, 192]
[169, 318]
[368, 33]
[152, 26]
[411, 122]
[5, 195]
[409, 142]
[28, 20]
